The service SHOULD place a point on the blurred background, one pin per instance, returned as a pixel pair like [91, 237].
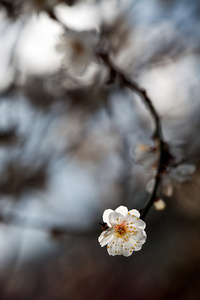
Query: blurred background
[66, 148]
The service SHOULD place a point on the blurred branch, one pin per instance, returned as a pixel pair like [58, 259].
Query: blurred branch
[54, 231]
[51, 13]
[10, 7]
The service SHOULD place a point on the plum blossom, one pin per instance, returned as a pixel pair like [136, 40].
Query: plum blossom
[78, 48]
[172, 178]
[146, 155]
[125, 232]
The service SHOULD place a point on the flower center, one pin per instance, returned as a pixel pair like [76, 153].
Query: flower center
[78, 48]
[121, 229]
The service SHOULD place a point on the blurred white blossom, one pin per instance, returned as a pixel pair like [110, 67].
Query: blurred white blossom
[125, 233]
[78, 49]
[146, 156]
[172, 178]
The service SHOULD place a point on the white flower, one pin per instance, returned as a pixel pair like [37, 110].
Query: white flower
[172, 178]
[79, 49]
[125, 233]
[146, 156]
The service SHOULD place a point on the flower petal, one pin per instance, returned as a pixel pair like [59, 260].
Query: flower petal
[131, 220]
[123, 210]
[150, 185]
[141, 224]
[134, 212]
[140, 235]
[102, 235]
[126, 249]
[116, 218]
[106, 216]
[137, 248]
[186, 169]
[106, 236]
[112, 247]
[134, 245]
[167, 190]
[119, 246]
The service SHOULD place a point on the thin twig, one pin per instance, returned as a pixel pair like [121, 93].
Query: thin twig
[115, 72]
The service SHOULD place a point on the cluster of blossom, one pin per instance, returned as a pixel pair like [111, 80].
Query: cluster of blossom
[173, 172]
